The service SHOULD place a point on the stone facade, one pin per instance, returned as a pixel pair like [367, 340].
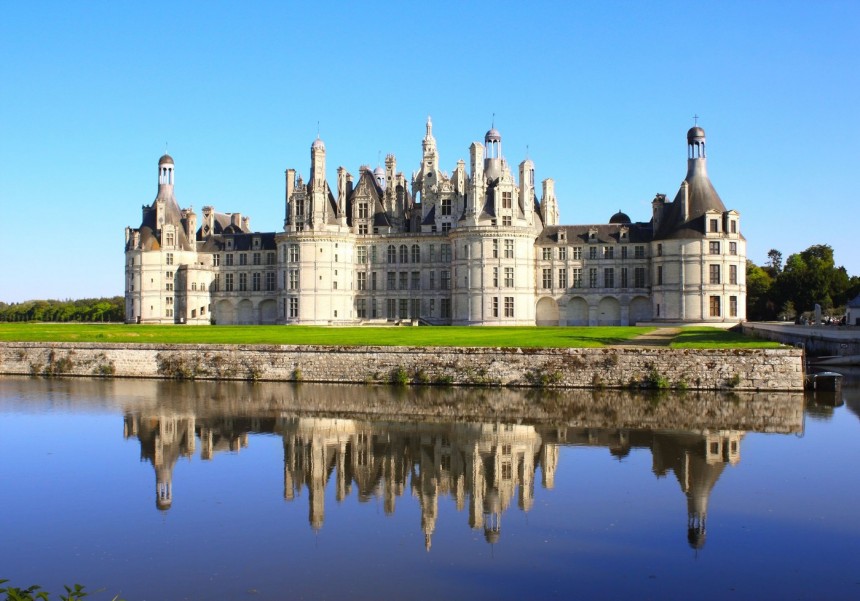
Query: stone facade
[474, 247]
[735, 369]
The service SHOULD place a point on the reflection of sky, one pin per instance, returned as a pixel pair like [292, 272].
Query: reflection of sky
[78, 503]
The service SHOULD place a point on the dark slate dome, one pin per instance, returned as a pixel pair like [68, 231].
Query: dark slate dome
[165, 159]
[620, 217]
[695, 133]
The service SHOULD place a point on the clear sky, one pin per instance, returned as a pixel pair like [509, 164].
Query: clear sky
[599, 94]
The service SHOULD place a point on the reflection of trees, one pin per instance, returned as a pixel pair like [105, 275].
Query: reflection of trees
[482, 467]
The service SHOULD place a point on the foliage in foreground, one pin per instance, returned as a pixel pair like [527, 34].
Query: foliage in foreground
[34, 592]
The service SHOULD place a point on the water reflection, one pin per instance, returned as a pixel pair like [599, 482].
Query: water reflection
[406, 441]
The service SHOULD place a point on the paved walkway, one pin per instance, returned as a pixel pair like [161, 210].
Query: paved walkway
[658, 337]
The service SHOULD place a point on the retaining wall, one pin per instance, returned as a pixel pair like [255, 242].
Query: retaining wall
[616, 367]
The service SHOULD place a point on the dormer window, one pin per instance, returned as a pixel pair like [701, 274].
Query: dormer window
[714, 225]
[229, 244]
[256, 243]
[562, 236]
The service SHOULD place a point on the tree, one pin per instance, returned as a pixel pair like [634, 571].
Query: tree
[760, 306]
[775, 262]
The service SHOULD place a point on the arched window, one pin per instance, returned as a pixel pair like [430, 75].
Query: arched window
[416, 253]
[392, 254]
[404, 253]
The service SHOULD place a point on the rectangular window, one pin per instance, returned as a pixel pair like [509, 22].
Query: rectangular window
[228, 259]
[294, 279]
[294, 307]
[547, 253]
[446, 227]
[509, 277]
[168, 286]
[374, 309]
[216, 285]
[733, 274]
[733, 225]
[577, 253]
[216, 260]
[415, 280]
[592, 252]
[638, 252]
[506, 221]
[495, 277]
[445, 308]
[294, 253]
[495, 248]
[445, 279]
[509, 306]
[362, 210]
[361, 254]
[243, 282]
[362, 229]
[415, 308]
[361, 308]
[562, 253]
[624, 277]
[714, 225]
[659, 250]
[562, 278]
[361, 284]
[446, 206]
[432, 280]
[390, 308]
[509, 249]
[715, 306]
[170, 239]
[733, 248]
[733, 304]
[228, 282]
[416, 253]
[494, 306]
[270, 258]
[243, 258]
[257, 258]
[270, 280]
[547, 278]
[404, 280]
[445, 253]
[577, 277]
[623, 252]
[256, 281]
[507, 198]
[432, 252]
[169, 300]
[714, 247]
[608, 252]
[659, 275]
[639, 277]
[391, 282]
[169, 259]
[714, 271]
[609, 278]
[404, 308]
[592, 277]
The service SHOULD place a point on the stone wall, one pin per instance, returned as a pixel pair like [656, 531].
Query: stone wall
[706, 369]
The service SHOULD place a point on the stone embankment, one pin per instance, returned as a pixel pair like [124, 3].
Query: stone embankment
[612, 367]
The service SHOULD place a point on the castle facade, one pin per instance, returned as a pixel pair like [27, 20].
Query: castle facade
[478, 246]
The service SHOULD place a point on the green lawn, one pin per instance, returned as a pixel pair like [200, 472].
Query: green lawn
[538, 337]
[702, 337]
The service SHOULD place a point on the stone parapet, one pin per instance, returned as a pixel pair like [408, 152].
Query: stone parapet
[608, 367]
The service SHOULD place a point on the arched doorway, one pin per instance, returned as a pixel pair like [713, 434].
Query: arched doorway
[224, 313]
[609, 312]
[246, 312]
[577, 312]
[640, 310]
[268, 312]
[546, 312]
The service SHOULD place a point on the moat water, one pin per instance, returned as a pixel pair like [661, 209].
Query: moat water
[163, 490]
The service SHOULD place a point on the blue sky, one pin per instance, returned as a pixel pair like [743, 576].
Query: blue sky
[600, 93]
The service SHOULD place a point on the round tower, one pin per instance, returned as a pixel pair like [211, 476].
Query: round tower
[493, 158]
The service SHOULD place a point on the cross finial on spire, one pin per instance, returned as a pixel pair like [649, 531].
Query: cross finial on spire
[493, 122]
[527, 151]
[318, 130]
[695, 120]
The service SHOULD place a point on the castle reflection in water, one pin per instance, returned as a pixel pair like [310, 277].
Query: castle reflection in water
[485, 466]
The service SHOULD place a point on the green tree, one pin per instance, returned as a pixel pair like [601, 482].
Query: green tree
[760, 306]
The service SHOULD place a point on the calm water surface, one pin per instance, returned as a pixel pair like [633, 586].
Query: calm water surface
[161, 490]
